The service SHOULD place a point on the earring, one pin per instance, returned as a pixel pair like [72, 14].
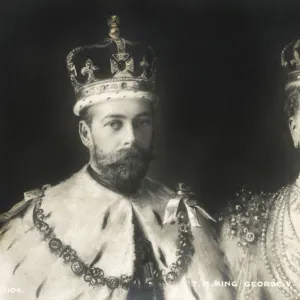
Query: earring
[296, 144]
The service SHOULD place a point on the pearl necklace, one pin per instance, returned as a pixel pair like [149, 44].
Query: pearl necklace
[278, 273]
[285, 259]
[295, 236]
[286, 211]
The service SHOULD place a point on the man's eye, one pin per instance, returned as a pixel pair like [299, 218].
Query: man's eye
[144, 123]
[114, 124]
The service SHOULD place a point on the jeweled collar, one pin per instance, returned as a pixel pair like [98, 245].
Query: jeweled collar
[95, 276]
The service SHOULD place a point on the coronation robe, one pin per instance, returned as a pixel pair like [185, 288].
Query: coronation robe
[96, 224]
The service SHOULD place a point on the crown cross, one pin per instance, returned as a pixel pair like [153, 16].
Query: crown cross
[89, 69]
[121, 65]
[113, 21]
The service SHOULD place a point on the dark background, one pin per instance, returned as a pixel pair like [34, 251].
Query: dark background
[220, 81]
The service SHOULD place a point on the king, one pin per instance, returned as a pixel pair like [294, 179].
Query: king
[109, 231]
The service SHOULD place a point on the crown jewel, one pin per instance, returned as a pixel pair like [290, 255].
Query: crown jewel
[114, 68]
[290, 59]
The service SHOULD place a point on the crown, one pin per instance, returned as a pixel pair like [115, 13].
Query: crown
[112, 69]
[290, 59]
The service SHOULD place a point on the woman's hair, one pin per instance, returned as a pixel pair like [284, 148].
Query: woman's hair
[292, 101]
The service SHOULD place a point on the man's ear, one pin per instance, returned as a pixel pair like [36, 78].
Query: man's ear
[85, 134]
[293, 126]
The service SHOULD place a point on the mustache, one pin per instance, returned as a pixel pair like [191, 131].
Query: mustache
[123, 156]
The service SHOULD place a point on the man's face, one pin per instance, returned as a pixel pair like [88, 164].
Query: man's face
[120, 139]
[121, 124]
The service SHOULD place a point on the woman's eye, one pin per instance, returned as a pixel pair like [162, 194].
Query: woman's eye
[115, 124]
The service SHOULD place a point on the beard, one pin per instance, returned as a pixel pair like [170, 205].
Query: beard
[124, 169]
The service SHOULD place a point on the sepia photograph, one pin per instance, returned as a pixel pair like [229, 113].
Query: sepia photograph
[150, 150]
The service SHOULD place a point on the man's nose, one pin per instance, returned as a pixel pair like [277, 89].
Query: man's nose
[130, 136]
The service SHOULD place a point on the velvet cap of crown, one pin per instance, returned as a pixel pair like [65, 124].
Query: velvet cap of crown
[113, 69]
[290, 59]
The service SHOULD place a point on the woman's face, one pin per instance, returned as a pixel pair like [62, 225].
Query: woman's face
[294, 125]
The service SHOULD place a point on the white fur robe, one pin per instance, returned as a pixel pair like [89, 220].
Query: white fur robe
[78, 207]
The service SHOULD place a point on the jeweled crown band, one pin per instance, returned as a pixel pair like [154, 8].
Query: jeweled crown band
[111, 86]
[110, 96]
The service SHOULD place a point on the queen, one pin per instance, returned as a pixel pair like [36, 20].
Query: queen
[261, 232]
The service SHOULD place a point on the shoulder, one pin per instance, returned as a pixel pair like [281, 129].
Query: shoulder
[164, 193]
[67, 185]
[20, 208]
[158, 188]
[241, 230]
[242, 221]
[75, 191]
